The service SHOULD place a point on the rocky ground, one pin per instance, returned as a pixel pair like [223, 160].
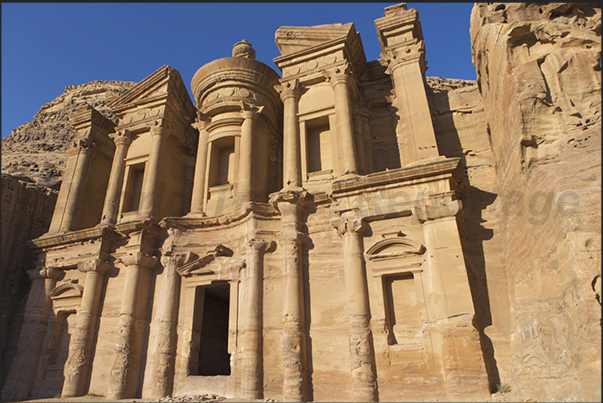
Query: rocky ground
[210, 398]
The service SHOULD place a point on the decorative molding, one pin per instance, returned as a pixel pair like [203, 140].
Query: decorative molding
[377, 251]
[66, 290]
[436, 206]
[196, 266]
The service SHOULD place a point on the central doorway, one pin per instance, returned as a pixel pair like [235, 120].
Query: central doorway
[213, 302]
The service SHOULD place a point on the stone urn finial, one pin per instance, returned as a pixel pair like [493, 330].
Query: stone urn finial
[243, 49]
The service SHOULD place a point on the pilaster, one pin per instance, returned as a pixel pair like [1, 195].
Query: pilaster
[452, 311]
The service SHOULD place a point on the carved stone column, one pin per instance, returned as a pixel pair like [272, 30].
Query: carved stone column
[123, 381]
[152, 172]
[251, 383]
[340, 81]
[77, 366]
[362, 356]
[82, 153]
[22, 373]
[359, 139]
[291, 150]
[163, 348]
[294, 328]
[122, 142]
[366, 129]
[200, 164]
[244, 185]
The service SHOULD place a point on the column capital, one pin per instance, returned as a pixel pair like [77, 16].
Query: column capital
[288, 89]
[159, 127]
[249, 110]
[349, 225]
[201, 121]
[437, 206]
[400, 56]
[94, 265]
[81, 144]
[121, 137]
[338, 75]
[42, 271]
[292, 195]
[139, 259]
[259, 244]
[177, 259]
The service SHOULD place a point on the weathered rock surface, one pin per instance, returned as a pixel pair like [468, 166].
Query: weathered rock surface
[539, 73]
[26, 213]
[37, 149]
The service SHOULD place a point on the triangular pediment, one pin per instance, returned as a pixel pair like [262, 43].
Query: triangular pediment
[164, 82]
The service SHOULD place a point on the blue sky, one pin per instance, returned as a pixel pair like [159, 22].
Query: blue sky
[48, 46]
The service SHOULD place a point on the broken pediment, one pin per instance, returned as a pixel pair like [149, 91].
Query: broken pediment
[294, 39]
[164, 82]
[214, 261]
[390, 248]
[301, 44]
[66, 290]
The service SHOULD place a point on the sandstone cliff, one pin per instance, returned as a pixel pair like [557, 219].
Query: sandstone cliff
[37, 149]
[26, 213]
[539, 73]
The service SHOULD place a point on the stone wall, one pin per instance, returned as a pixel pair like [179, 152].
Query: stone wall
[26, 213]
[539, 73]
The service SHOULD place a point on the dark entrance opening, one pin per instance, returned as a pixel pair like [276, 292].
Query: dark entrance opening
[214, 358]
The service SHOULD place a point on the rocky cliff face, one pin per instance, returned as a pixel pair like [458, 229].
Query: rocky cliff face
[37, 149]
[26, 213]
[539, 73]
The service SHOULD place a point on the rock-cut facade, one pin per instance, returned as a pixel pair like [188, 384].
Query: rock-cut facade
[289, 236]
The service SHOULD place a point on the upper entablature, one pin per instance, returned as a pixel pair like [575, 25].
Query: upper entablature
[306, 51]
